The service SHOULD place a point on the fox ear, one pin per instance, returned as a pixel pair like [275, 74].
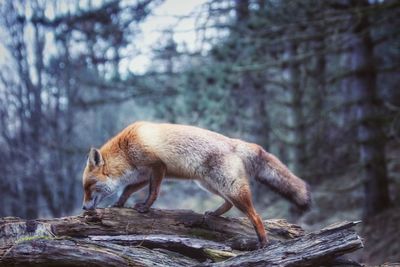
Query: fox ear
[95, 158]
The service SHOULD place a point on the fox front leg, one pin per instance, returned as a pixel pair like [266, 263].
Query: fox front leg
[154, 189]
[128, 191]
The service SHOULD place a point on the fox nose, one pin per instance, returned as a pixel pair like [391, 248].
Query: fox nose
[88, 206]
[84, 207]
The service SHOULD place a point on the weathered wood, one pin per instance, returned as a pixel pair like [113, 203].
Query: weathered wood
[195, 248]
[236, 233]
[75, 252]
[12, 230]
[310, 250]
[123, 237]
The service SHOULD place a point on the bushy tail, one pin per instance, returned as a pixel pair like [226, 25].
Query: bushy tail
[279, 178]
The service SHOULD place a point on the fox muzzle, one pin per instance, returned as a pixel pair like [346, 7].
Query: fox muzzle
[90, 204]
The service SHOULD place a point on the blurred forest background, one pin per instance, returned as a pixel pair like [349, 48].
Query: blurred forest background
[314, 82]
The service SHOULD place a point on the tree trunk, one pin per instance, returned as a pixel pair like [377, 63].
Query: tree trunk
[368, 108]
[242, 10]
[123, 237]
[295, 119]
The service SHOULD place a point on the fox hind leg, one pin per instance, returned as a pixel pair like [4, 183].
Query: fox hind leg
[242, 201]
[229, 179]
[234, 186]
[225, 207]
[240, 197]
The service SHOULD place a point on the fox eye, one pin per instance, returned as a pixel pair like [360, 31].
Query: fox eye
[98, 189]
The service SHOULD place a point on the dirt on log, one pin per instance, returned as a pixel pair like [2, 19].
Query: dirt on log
[124, 237]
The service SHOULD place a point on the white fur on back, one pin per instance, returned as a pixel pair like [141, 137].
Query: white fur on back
[183, 148]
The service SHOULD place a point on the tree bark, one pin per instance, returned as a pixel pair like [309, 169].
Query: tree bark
[235, 233]
[370, 136]
[123, 237]
[74, 252]
[320, 247]
[295, 119]
[242, 10]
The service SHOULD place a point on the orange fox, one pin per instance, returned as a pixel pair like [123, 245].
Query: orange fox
[144, 153]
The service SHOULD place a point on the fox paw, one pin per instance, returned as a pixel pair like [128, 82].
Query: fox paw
[210, 213]
[141, 207]
[265, 243]
[117, 205]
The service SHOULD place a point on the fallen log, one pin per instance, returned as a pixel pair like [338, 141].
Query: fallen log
[236, 233]
[315, 249]
[75, 252]
[195, 248]
[123, 237]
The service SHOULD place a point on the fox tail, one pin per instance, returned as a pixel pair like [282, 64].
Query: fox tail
[278, 177]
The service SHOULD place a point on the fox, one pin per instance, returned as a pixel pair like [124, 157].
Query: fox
[146, 152]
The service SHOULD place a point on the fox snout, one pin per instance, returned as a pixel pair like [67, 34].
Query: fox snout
[87, 206]
[90, 204]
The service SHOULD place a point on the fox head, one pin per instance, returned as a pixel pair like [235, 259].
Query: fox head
[96, 183]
